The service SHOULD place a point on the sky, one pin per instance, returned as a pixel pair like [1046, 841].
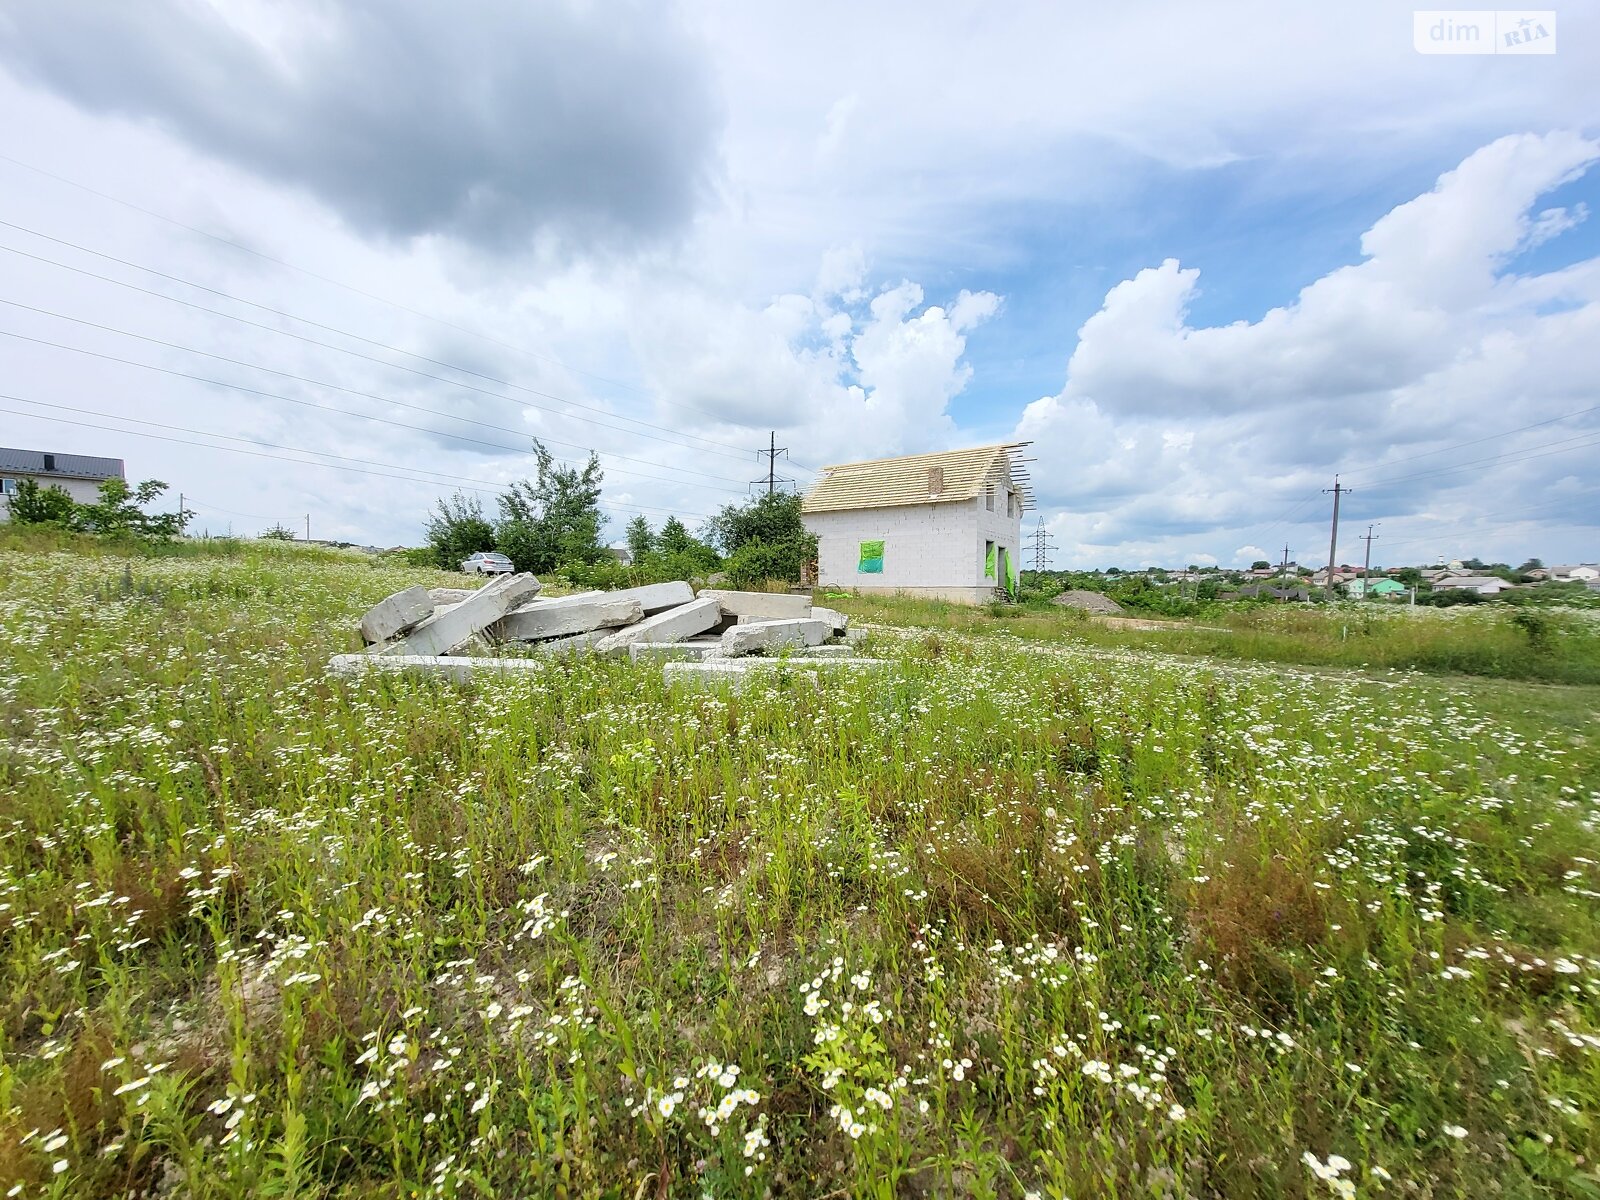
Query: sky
[305, 260]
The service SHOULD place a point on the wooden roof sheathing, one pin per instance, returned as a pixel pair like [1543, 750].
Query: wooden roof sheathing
[916, 479]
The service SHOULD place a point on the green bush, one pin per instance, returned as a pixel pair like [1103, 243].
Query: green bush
[756, 562]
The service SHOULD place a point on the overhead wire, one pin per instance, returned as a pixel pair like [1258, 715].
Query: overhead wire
[442, 478]
[345, 411]
[738, 452]
[351, 288]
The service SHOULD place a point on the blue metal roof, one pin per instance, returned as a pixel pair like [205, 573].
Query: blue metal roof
[72, 466]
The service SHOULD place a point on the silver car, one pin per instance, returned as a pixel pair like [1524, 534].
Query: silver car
[487, 562]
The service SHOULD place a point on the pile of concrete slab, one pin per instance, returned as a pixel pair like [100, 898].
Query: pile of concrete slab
[719, 636]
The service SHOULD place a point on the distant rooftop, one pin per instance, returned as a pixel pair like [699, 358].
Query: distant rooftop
[68, 466]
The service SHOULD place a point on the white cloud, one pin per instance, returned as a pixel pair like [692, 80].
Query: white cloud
[1432, 339]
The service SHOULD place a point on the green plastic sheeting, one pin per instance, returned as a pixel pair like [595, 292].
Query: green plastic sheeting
[1015, 580]
[871, 562]
[988, 563]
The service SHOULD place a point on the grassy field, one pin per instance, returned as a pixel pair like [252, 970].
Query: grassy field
[1550, 645]
[1055, 916]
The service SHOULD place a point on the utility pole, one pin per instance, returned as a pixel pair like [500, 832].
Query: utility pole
[1366, 567]
[1283, 574]
[1333, 538]
[1041, 547]
[308, 527]
[771, 454]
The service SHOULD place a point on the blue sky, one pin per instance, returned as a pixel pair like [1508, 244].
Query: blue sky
[662, 233]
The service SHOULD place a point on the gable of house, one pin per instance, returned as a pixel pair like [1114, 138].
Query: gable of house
[943, 478]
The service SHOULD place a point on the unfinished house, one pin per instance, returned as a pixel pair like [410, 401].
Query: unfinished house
[943, 526]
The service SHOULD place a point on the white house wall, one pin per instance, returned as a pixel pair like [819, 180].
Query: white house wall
[84, 491]
[931, 550]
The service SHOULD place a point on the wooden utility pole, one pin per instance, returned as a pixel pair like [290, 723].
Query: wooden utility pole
[1283, 574]
[1333, 538]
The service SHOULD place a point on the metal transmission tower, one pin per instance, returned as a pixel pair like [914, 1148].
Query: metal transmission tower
[771, 452]
[1042, 545]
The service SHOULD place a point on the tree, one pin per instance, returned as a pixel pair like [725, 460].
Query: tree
[554, 518]
[119, 512]
[771, 517]
[675, 537]
[35, 505]
[1261, 564]
[763, 538]
[277, 534]
[457, 528]
[641, 539]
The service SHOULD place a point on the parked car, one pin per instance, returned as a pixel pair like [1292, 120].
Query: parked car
[487, 562]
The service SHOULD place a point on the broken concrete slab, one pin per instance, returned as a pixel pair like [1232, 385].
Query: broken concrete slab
[560, 618]
[773, 635]
[854, 637]
[671, 626]
[578, 643]
[836, 620]
[449, 628]
[693, 651]
[734, 675]
[457, 667]
[656, 597]
[443, 596]
[828, 652]
[397, 614]
[761, 606]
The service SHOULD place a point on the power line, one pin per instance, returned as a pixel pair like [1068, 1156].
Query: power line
[443, 478]
[1511, 456]
[344, 411]
[1476, 441]
[351, 288]
[456, 383]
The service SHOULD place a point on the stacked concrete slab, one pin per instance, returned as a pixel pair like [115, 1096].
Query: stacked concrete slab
[420, 629]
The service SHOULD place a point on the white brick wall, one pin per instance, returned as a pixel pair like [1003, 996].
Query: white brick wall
[927, 547]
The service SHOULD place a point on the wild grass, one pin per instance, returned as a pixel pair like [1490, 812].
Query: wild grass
[1496, 641]
[1012, 919]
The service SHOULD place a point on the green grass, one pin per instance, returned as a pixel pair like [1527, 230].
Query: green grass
[1017, 917]
[1497, 641]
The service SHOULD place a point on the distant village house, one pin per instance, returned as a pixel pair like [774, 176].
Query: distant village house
[79, 475]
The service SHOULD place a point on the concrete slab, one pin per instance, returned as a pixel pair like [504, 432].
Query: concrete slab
[837, 620]
[561, 618]
[671, 626]
[443, 596]
[656, 597]
[449, 628]
[773, 635]
[735, 676]
[761, 606]
[457, 667]
[692, 651]
[397, 614]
